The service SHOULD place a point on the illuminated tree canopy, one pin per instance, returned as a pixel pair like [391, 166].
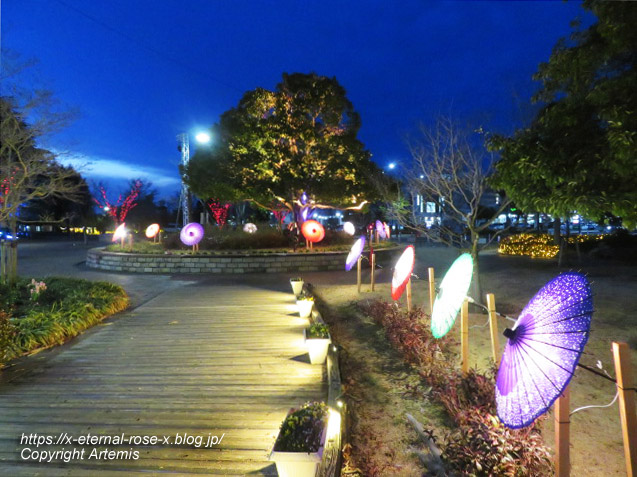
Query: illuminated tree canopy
[579, 151]
[275, 144]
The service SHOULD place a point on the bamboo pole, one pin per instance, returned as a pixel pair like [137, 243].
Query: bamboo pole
[493, 326]
[432, 289]
[358, 272]
[464, 335]
[562, 435]
[377, 238]
[409, 295]
[623, 371]
[373, 264]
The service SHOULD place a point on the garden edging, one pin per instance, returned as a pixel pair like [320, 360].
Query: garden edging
[222, 263]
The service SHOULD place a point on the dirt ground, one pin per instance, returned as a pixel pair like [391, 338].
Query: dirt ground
[596, 439]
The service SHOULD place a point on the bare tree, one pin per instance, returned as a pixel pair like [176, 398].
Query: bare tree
[26, 171]
[449, 168]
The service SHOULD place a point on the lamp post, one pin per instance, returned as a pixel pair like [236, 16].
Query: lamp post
[183, 145]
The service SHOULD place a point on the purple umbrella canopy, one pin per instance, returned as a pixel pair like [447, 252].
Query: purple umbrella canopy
[355, 252]
[380, 228]
[543, 349]
[191, 234]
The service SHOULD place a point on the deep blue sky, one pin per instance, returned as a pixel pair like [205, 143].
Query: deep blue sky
[142, 71]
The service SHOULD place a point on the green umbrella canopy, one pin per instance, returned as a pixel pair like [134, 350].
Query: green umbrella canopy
[453, 291]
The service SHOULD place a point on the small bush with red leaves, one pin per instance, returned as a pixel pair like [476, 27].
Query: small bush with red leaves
[480, 444]
[409, 334]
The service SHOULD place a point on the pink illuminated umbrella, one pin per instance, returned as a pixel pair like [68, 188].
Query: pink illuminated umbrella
[543, 349]
[120, 232]
[402, 272]
[191, 234]
[152, 230]
[355, 252]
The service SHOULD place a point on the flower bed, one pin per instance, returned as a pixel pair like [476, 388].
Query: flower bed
[479, 444]
[43, 314]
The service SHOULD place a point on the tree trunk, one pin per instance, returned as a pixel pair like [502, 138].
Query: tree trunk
[557, 239]
[476, 285]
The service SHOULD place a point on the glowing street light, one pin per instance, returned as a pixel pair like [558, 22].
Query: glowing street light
[391, 165]
[202, 137]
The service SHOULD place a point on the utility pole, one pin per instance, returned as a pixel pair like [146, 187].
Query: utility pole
[183, 145]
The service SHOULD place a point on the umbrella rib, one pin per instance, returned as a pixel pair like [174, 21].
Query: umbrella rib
[584, 313]
[550, 312]
[534, 329]
[549, 359]
[542, 371]
[529, 338]
[526, 389]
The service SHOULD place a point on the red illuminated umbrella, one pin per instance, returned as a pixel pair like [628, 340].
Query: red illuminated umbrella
[312, 231]
[402, 272]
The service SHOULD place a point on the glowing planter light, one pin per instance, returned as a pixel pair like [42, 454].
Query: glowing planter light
[312, 231]
[250, 228]
[120, 232]
[349, 228]
[191, 234]
[354, 253]
[304, 464]
[402, 272]
[453, 292]
[297, 285]
[305, 307]
[152, 231]
[316, 348]
[543, 349]
[380, 229]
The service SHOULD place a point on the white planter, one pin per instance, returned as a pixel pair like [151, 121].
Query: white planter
[305, 307]
[297, 287]
[317, 348]
[299, 464]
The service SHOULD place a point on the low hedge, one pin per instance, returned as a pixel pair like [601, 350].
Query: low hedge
[64, 309]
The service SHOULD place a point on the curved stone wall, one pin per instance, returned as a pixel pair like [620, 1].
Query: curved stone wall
[223, 263]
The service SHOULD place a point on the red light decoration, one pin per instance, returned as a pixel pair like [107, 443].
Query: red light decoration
[312, 231]
[120, 209]
[219, 211]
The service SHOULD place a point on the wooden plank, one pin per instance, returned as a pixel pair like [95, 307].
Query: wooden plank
[493, 329]
[464, 336]
[562, 435]
[625, 387]
[199, 360]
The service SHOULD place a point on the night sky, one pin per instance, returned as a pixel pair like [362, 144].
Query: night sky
[142, 71]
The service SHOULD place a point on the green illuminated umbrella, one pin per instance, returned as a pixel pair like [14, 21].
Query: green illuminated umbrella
[453, 291]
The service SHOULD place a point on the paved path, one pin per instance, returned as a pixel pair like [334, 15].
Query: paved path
[198, 359]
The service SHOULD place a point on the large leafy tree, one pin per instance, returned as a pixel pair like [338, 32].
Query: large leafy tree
[275, 144]
[579, 152]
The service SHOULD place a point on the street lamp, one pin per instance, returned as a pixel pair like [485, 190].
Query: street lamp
[183, 146]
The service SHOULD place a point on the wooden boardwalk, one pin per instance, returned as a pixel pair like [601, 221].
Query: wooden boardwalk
[202, 360]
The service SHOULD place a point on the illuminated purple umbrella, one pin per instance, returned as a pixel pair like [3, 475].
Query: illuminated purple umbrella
[543, 349]
[380, 228]
[191, 234]
[354, 253]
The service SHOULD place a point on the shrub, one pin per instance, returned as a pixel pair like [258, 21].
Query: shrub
[317, 330]
[480, 443]
[67, 307]
[531, 245]
[7, 333]
[302, 429]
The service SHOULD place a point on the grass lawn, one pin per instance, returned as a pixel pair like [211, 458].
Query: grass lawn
[382, 388]
[62, 310]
